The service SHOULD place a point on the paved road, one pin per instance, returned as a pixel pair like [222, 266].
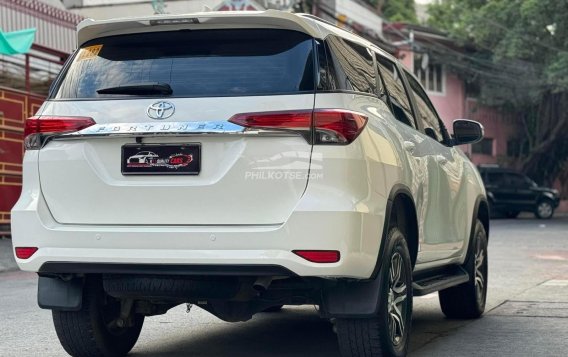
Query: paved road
[528, 313]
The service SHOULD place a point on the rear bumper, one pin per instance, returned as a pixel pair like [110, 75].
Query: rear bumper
[219, 247]
[340, 211]
[164, 269]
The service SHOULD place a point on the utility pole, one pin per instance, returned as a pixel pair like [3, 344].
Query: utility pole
[379, 6]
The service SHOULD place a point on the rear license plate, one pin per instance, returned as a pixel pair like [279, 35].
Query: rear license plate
[161, 159]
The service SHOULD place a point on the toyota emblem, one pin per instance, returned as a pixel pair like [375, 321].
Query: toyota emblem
[160, 110]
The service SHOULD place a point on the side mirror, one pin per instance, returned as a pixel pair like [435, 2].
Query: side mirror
[467, 131]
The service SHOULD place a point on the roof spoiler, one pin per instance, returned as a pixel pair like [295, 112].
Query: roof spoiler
[90, 29]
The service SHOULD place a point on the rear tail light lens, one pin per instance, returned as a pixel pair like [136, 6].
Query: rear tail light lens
[37, 128]
[25, 252]
[330, 126]
[275, 120]
[319, 256]
[296, 121]
[337, 126]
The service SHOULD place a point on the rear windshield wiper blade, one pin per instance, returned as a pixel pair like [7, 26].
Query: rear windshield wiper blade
[151, 88]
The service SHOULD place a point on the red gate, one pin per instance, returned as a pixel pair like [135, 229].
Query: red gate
[15, 107]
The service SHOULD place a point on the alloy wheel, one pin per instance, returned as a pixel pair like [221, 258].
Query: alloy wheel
[544, 209]
[480, 270]
[397, 306]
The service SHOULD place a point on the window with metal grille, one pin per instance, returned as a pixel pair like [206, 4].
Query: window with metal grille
[431, 76]
[484, 147]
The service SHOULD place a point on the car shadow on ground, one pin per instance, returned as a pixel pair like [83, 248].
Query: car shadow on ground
[292, 332]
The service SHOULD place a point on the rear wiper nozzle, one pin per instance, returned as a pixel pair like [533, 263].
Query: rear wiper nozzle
[148, 88]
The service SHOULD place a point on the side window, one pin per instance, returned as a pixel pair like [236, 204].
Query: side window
[432, 124]
[326, 75]
[395, 88]
[352, 65]
[495, 178]
[517, 180]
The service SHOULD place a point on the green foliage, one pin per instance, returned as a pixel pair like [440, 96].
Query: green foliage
[396, 10]
[530, 31]
[520, 58]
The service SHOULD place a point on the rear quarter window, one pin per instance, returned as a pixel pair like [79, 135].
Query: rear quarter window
[350, 66]
[199, 63]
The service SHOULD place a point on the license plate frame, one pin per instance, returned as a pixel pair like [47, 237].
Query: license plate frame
[161, 159]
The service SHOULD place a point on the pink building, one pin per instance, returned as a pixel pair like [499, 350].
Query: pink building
[450, 93]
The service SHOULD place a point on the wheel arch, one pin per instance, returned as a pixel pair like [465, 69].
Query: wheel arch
[403, 215]
[481, 212]
[349, 298]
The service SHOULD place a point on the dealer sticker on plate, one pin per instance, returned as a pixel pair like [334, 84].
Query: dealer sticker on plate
[161, 159]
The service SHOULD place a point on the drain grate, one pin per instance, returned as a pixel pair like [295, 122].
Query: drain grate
[532, 309]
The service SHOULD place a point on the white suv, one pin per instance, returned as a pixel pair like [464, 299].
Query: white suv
[286, 162]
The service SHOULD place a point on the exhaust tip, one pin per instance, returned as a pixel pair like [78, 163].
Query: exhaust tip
[262, 284]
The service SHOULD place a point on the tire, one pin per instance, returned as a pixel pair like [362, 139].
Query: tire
[467, 301]
[544, 209]
[512, 214]
[276, 308]
[85, 333]
[373, 337]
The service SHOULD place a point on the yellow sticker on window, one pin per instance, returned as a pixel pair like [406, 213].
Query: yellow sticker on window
[90, 52]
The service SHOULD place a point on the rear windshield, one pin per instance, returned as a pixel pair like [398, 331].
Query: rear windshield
[199, 63]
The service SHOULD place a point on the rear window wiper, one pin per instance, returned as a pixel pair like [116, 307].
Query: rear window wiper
[150, 88]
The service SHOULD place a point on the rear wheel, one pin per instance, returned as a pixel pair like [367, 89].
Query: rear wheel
[467, 301]
[544, 209]
[97, 329]
[388, 333]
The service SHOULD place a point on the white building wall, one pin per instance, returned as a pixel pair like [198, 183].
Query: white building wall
[105, 9]
[354, 11]
[134, 8]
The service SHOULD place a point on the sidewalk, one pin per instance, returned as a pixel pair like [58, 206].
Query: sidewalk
[7, 262]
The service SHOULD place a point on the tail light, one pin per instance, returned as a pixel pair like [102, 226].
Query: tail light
[319, 256]
[25, 252]
[322, 126]
[333, 126]
[36, 129]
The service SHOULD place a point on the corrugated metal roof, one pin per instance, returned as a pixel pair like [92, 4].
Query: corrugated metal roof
[56, 28]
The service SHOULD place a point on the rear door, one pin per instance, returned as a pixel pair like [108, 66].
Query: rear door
[448, 194]
[497, 183]
[524, 196]
[237, 176]
[417, 150]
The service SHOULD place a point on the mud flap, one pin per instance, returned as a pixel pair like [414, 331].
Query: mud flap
[351, 299]
[54, 293]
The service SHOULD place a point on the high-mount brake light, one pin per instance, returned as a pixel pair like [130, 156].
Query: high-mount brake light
[330, 126]
[37, 128]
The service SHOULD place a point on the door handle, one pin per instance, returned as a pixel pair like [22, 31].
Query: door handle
[441, 159]
[409, 146]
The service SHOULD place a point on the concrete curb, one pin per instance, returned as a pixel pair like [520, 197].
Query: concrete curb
[7, 261]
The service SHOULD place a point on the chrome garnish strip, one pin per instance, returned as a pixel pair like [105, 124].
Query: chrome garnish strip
[222, 127]
[212, 128]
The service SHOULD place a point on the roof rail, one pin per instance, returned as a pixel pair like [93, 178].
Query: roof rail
[319, 19]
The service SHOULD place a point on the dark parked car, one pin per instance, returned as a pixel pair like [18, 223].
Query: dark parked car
[510, 193]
